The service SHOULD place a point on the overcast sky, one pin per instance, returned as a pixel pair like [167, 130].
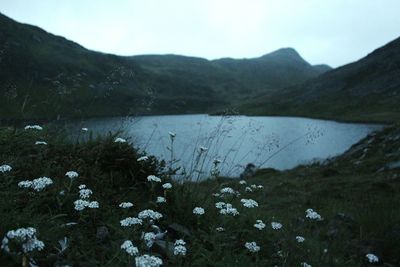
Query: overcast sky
[334, 32]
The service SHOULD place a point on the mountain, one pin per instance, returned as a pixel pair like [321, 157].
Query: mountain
[47, 76]
[366, 90]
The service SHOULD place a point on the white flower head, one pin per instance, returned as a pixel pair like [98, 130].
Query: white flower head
[220, 229]
[33, 127]
[26, 236]
[93, 205]
[126, 205]
[82, 186]
[300, 239]
[85, 129]
[129, 248]
[249, 203]
[71, 174]
[148, 261]
[252, 246]
[228, 190]
[119, 140]
[242, 182]
[153, 178]
[313, 215]
[276, 225]
[144, 158]
[372, 258]
[5, 168]
[167, 186]
[198, 211]
[131, 221]
[180, 250]
[149, 214]
[149, 239]
[228, 209]
[81, 204]
[85, 193]
[259, 225]
[248, 189]
[161, 200]
[37, 184]
[305, 264]
[40, 143]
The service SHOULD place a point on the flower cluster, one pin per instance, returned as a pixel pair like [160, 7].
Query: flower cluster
[149, 238]
[40, 143]
[305, 264]
[129, 248]
[372, 258]
[276, 225]
[179, 247]
[161, 200]
[226, 209]
[153, 178]
[252, 246]
[37, 184]
[300, 239]
[313, 215]
[85, 129]
[148, 261]
[144, 158]
[198, 211]
[150, 214]
[129, 221]
[126, 205]
[33, 127]
[228, 190]
[5, 168]
[249, 203]
[167, 186]
[26, 237]
[83, 202]
[71, 174]
[119, 140]
[259, 225]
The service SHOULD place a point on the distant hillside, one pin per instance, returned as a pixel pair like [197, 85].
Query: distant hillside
[366, 90]
[47, 76]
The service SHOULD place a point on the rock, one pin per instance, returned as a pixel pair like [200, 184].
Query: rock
[102, 234]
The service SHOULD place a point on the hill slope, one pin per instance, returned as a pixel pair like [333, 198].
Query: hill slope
[368, 89]
[47, 76]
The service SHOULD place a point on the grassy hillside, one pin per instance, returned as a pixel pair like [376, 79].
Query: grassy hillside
[47, 76]
[356, 195]
[366, 90]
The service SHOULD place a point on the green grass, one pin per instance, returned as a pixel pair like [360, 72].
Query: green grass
[368, 200]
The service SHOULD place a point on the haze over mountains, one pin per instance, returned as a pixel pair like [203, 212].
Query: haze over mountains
[45, 76]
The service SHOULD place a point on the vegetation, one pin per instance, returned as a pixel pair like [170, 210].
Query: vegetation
[357, 195]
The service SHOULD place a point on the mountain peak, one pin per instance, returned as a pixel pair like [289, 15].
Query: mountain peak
[285, 54]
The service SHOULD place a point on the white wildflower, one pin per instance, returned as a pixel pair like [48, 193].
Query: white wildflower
[149, 239]
[40, 143]
[32, 244]
[249, 203]
[228, 209]
[82, 186]
[248, 189]
[243, 182]
[126, 205]
[220, 229]
[144, 158]
[5, 168]
[372, 258]
[131, 221]
[33, 127]
[85, 193]
[62, 193]
[227, 190]
[252, 246]
[276, 225]
[129, 248]
[220, 205]
[25, 184]
[71, 174]
[119, 140]
[153, 178]
[305, 264]
[161, 200]
[93, 205]
[259, 225]
[150, 214]
[300, 239]
[85, 129]
[198, 211]
[180, 242]
[37, 184]
[313, 215]
[167, 186]
[148, 261]
[27, 236]
[81, 204]
[180, 250]
[260, 187]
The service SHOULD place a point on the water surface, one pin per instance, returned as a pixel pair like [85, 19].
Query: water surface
[276, 142]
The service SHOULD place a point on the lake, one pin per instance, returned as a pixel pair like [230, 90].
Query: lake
[275, 142]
